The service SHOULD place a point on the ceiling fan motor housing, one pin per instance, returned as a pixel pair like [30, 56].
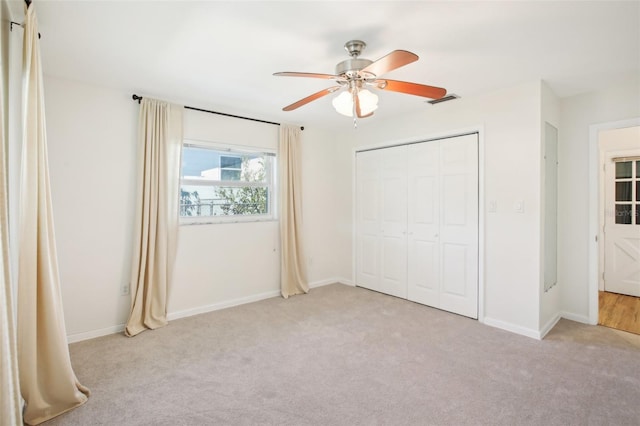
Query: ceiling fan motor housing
[350, 67]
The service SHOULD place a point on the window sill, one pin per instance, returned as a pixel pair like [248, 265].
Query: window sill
[224, 220]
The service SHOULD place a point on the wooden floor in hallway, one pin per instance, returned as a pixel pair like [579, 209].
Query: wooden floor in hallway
[619, 311]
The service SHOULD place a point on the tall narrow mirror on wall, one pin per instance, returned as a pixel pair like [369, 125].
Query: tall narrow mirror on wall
[550, 206]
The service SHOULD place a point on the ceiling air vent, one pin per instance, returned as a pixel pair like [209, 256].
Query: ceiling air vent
[449, 97]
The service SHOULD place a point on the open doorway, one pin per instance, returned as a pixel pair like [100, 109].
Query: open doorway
[619, 228]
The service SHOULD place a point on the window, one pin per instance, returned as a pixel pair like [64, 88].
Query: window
[230, 167]
[627, 194]
[223, 184]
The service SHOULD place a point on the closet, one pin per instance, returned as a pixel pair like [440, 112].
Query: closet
[417, 222]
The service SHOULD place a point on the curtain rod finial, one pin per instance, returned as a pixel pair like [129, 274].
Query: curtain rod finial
[136, 98]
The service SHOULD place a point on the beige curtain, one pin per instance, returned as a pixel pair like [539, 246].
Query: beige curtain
[47, 381]
[10, 400]
[292, 274]
[156, 227]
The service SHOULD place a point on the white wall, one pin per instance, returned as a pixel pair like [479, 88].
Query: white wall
[225, 264]
[510, 172]
[14, 133]
[91, 137]
[577, 114]
[92, 134]
[326, 205]
[550, 309]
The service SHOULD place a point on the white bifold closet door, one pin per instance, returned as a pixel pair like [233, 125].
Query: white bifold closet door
[417, 222]
[382, 220]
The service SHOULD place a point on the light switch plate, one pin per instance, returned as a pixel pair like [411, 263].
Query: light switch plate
[519, 206]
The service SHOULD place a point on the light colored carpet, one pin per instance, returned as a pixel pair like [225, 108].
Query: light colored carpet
[349, 356]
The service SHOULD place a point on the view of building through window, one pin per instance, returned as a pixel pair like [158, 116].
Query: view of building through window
[225, 182]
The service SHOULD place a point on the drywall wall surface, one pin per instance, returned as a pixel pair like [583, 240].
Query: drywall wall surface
[510, 167]
[14, 133]
[549, 299]
[207, 127]
[92, 157]
[225, 263]
[619, 102]
[92, 134]
[326, 205]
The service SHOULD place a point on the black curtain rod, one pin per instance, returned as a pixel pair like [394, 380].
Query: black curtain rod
[139, 98]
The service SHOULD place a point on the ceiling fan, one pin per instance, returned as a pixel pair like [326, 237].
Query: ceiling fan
[355, 75]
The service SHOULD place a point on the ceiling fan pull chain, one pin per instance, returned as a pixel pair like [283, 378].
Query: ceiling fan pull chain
[354, 93]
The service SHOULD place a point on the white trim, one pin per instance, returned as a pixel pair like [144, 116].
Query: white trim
[78, 337]
[346, 282]
[354, 218]
[594, 203]
[481, 223]
[513, 328]
[418, 139]
[222, 305]
[549, 325]
[329, 281]
[86, 335]
[226, 146]
[575, 317]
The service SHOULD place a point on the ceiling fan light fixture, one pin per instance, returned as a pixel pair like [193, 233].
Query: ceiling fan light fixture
[368, 101]
[343, 103]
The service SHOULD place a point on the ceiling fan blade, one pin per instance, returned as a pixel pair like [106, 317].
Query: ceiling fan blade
[311, 98]
[308, 74]
[412, 88]
[395, 59]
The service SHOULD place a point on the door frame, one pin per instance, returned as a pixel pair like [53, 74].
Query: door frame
[479, 130]
[595, 204]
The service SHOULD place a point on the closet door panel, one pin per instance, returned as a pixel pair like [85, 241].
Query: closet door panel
[459, 225]
[423, 223]
[394, 221]
[368, 220]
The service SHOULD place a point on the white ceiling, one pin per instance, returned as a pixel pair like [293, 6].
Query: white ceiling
[221, 55]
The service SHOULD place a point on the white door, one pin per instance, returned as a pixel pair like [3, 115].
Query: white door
[443, 224]
[417, 222]
[394, 221]
[622, 226]
[424, 224]
[368, 221]
[381, 220]
[459, 225]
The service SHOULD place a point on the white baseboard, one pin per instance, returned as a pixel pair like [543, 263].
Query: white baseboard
[575, 317]
[78, 337]
[330, 281]
[507, 326]
[549, 325]
[222, 305]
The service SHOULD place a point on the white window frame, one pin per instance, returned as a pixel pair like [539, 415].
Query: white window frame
[230, 168]
[234, 150]
[634, 180]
